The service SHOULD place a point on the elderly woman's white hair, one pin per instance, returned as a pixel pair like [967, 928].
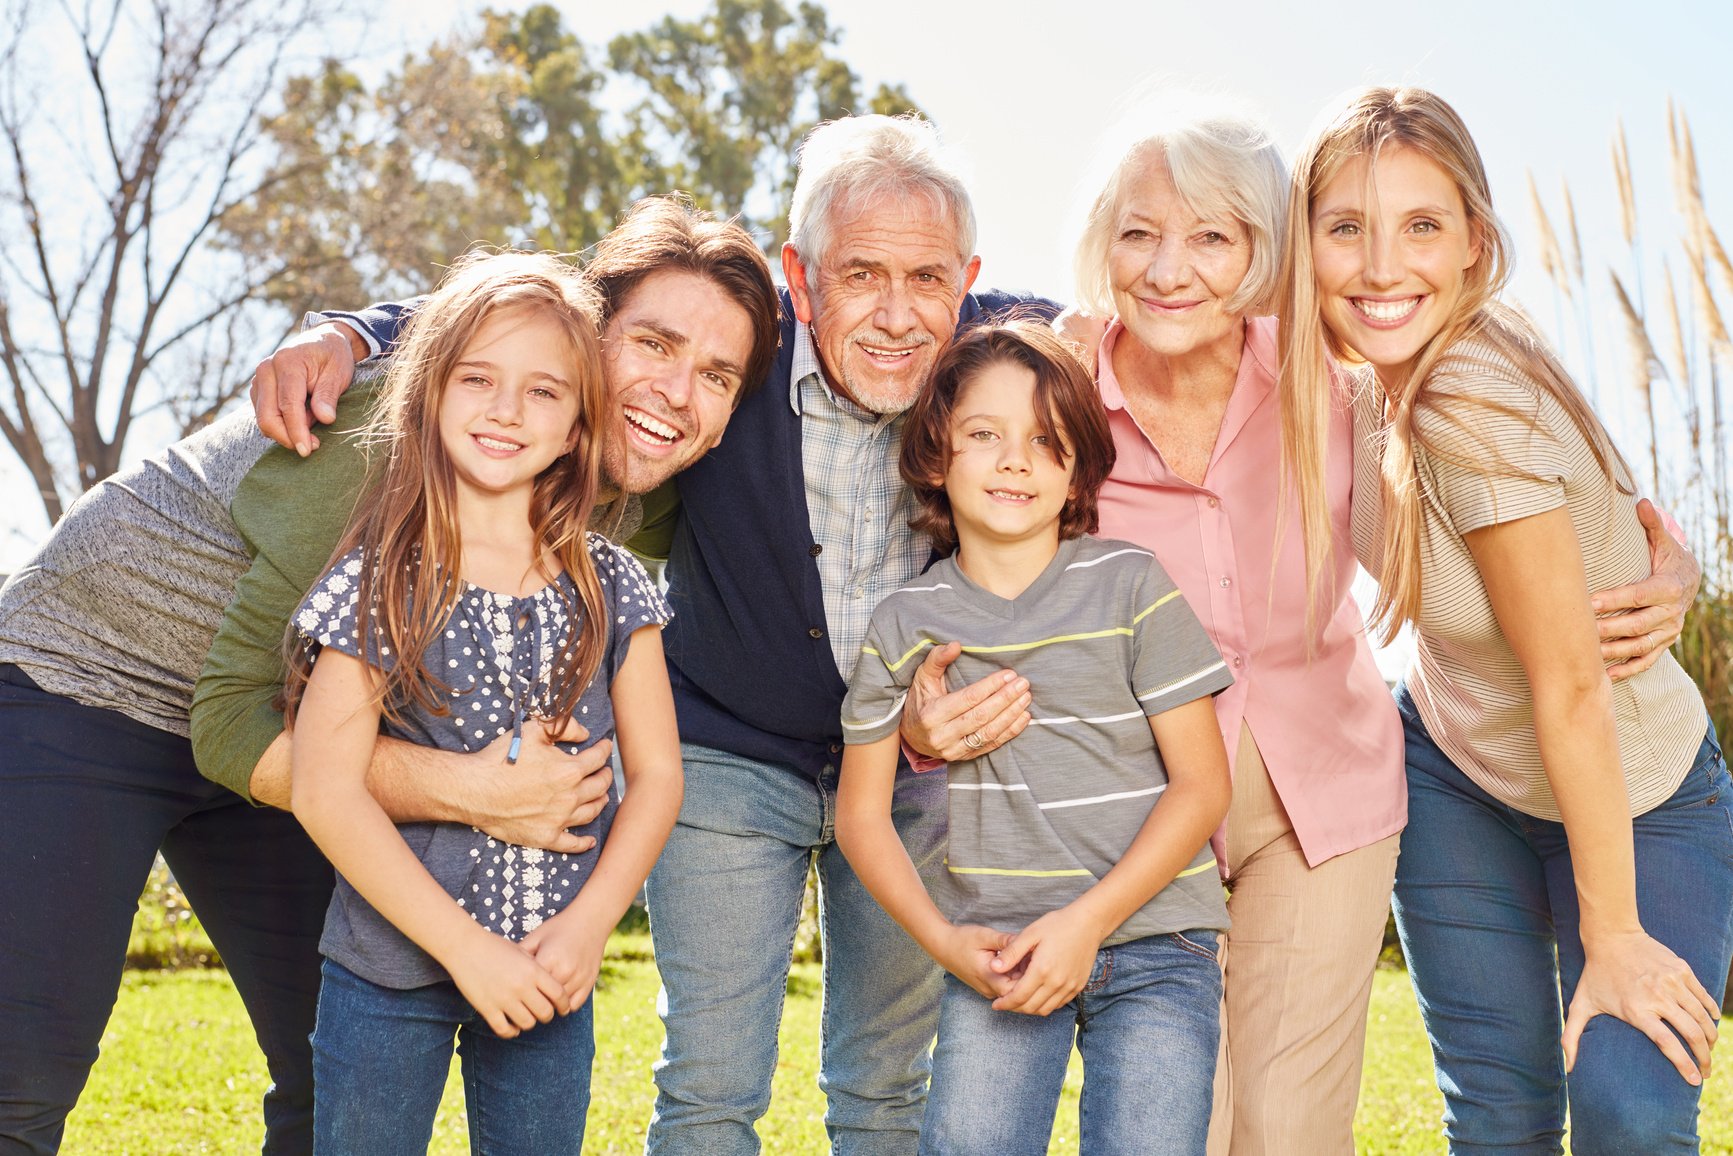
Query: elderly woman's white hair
[855, 160]
[1221, 159]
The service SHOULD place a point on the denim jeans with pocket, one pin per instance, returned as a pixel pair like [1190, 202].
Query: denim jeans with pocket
[1148, 1026]
[381, 1056]
[87, 798]
[1487, 907]
[724, 903]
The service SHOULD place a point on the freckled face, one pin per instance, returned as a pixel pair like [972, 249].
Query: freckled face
[883, 300]
[1004, 482]
[1391, 243]
[1173, 271]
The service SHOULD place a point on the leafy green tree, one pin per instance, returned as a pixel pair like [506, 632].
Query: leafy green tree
[372, 192]
[727, 98]
[519, 133]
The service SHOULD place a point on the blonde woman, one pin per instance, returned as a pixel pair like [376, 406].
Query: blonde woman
[1569, 837]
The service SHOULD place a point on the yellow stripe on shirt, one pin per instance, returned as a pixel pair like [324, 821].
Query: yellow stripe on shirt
[1151, 608]
[1020, 874]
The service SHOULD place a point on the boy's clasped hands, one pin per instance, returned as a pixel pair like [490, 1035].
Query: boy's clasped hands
[1037, 970]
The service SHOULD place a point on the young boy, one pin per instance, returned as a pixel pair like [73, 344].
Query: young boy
[1078, 878]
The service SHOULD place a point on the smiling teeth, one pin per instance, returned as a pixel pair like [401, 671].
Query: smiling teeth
[1386, 310]
[496, 444]
[875, 351]
[657, 429]
[1010, 496]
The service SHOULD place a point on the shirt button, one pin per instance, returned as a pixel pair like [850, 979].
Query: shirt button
[816, 632]
[835, 747]
[815, 549]
[1227, 581]
[1238, 661]
[1214, 503]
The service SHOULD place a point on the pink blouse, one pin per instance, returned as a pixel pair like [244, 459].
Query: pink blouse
[1327, 728]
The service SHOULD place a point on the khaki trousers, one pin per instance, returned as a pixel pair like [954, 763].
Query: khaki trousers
[1297, 977]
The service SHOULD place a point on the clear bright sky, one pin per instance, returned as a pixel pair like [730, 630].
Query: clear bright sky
[1023, 90]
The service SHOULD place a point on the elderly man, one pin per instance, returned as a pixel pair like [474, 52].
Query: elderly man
[102, 635]
[782, 541]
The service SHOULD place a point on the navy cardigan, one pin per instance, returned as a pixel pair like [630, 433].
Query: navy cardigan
[749, 648]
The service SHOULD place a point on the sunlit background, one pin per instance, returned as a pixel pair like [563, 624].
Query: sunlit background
[1023, 90]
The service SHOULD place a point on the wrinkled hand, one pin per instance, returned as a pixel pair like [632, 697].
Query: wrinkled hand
[1635, 978]
[1051, 960]
[306, 376]
[1644, 618]
[570, 948]
[968, 952]
[532, 802]
[509, 989]
[995, 709]
[1084, 330]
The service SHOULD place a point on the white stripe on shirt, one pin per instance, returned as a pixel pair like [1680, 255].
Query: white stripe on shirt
[1117, 795]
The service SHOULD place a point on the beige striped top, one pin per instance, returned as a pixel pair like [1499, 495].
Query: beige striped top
[1466, 682]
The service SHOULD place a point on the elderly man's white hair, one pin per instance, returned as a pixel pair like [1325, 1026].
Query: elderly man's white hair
[848, 164]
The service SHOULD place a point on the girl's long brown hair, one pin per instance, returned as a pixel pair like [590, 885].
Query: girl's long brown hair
[1371, 120]
[406, 525]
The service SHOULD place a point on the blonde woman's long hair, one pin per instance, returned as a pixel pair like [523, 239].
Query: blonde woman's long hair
[1369, 121]
[406, 524]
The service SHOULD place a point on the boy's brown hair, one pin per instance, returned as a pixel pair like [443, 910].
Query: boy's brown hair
[1067, 408]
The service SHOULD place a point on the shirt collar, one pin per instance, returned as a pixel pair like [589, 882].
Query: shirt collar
[1106, 382]
[805, 365]
[807, 379]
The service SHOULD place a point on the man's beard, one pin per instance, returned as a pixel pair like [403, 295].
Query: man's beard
[885, 398]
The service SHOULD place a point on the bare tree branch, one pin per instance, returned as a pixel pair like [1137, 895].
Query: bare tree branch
[101, 281]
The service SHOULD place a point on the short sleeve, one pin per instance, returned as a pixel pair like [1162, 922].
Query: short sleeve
[873, 707]
[328, 614]
[1173, 660]
[1492, 450]
[631, 594]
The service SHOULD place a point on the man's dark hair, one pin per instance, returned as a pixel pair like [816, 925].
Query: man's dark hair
[1067, 408]
[669, 232]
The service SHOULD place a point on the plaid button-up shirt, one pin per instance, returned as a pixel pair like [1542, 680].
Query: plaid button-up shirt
[856, 501]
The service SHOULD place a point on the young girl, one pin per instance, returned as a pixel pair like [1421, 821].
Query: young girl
[467, 602]
[1078, 879]
[1567, 838]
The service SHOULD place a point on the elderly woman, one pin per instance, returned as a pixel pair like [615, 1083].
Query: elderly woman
[1182, 248]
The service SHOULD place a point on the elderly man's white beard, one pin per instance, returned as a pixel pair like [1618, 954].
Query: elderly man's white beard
[883, 397]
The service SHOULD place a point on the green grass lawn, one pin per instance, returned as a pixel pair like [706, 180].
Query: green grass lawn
[180, 1072]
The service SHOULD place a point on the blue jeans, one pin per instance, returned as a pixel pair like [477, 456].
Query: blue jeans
[724, 904]
[381, 1056]
[1148, 1025]
[87, 798]
[1486, 902]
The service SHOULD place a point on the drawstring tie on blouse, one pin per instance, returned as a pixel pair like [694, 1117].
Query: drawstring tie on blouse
[518, 697]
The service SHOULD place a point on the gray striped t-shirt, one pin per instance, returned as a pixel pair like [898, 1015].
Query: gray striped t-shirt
[1105, 640]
